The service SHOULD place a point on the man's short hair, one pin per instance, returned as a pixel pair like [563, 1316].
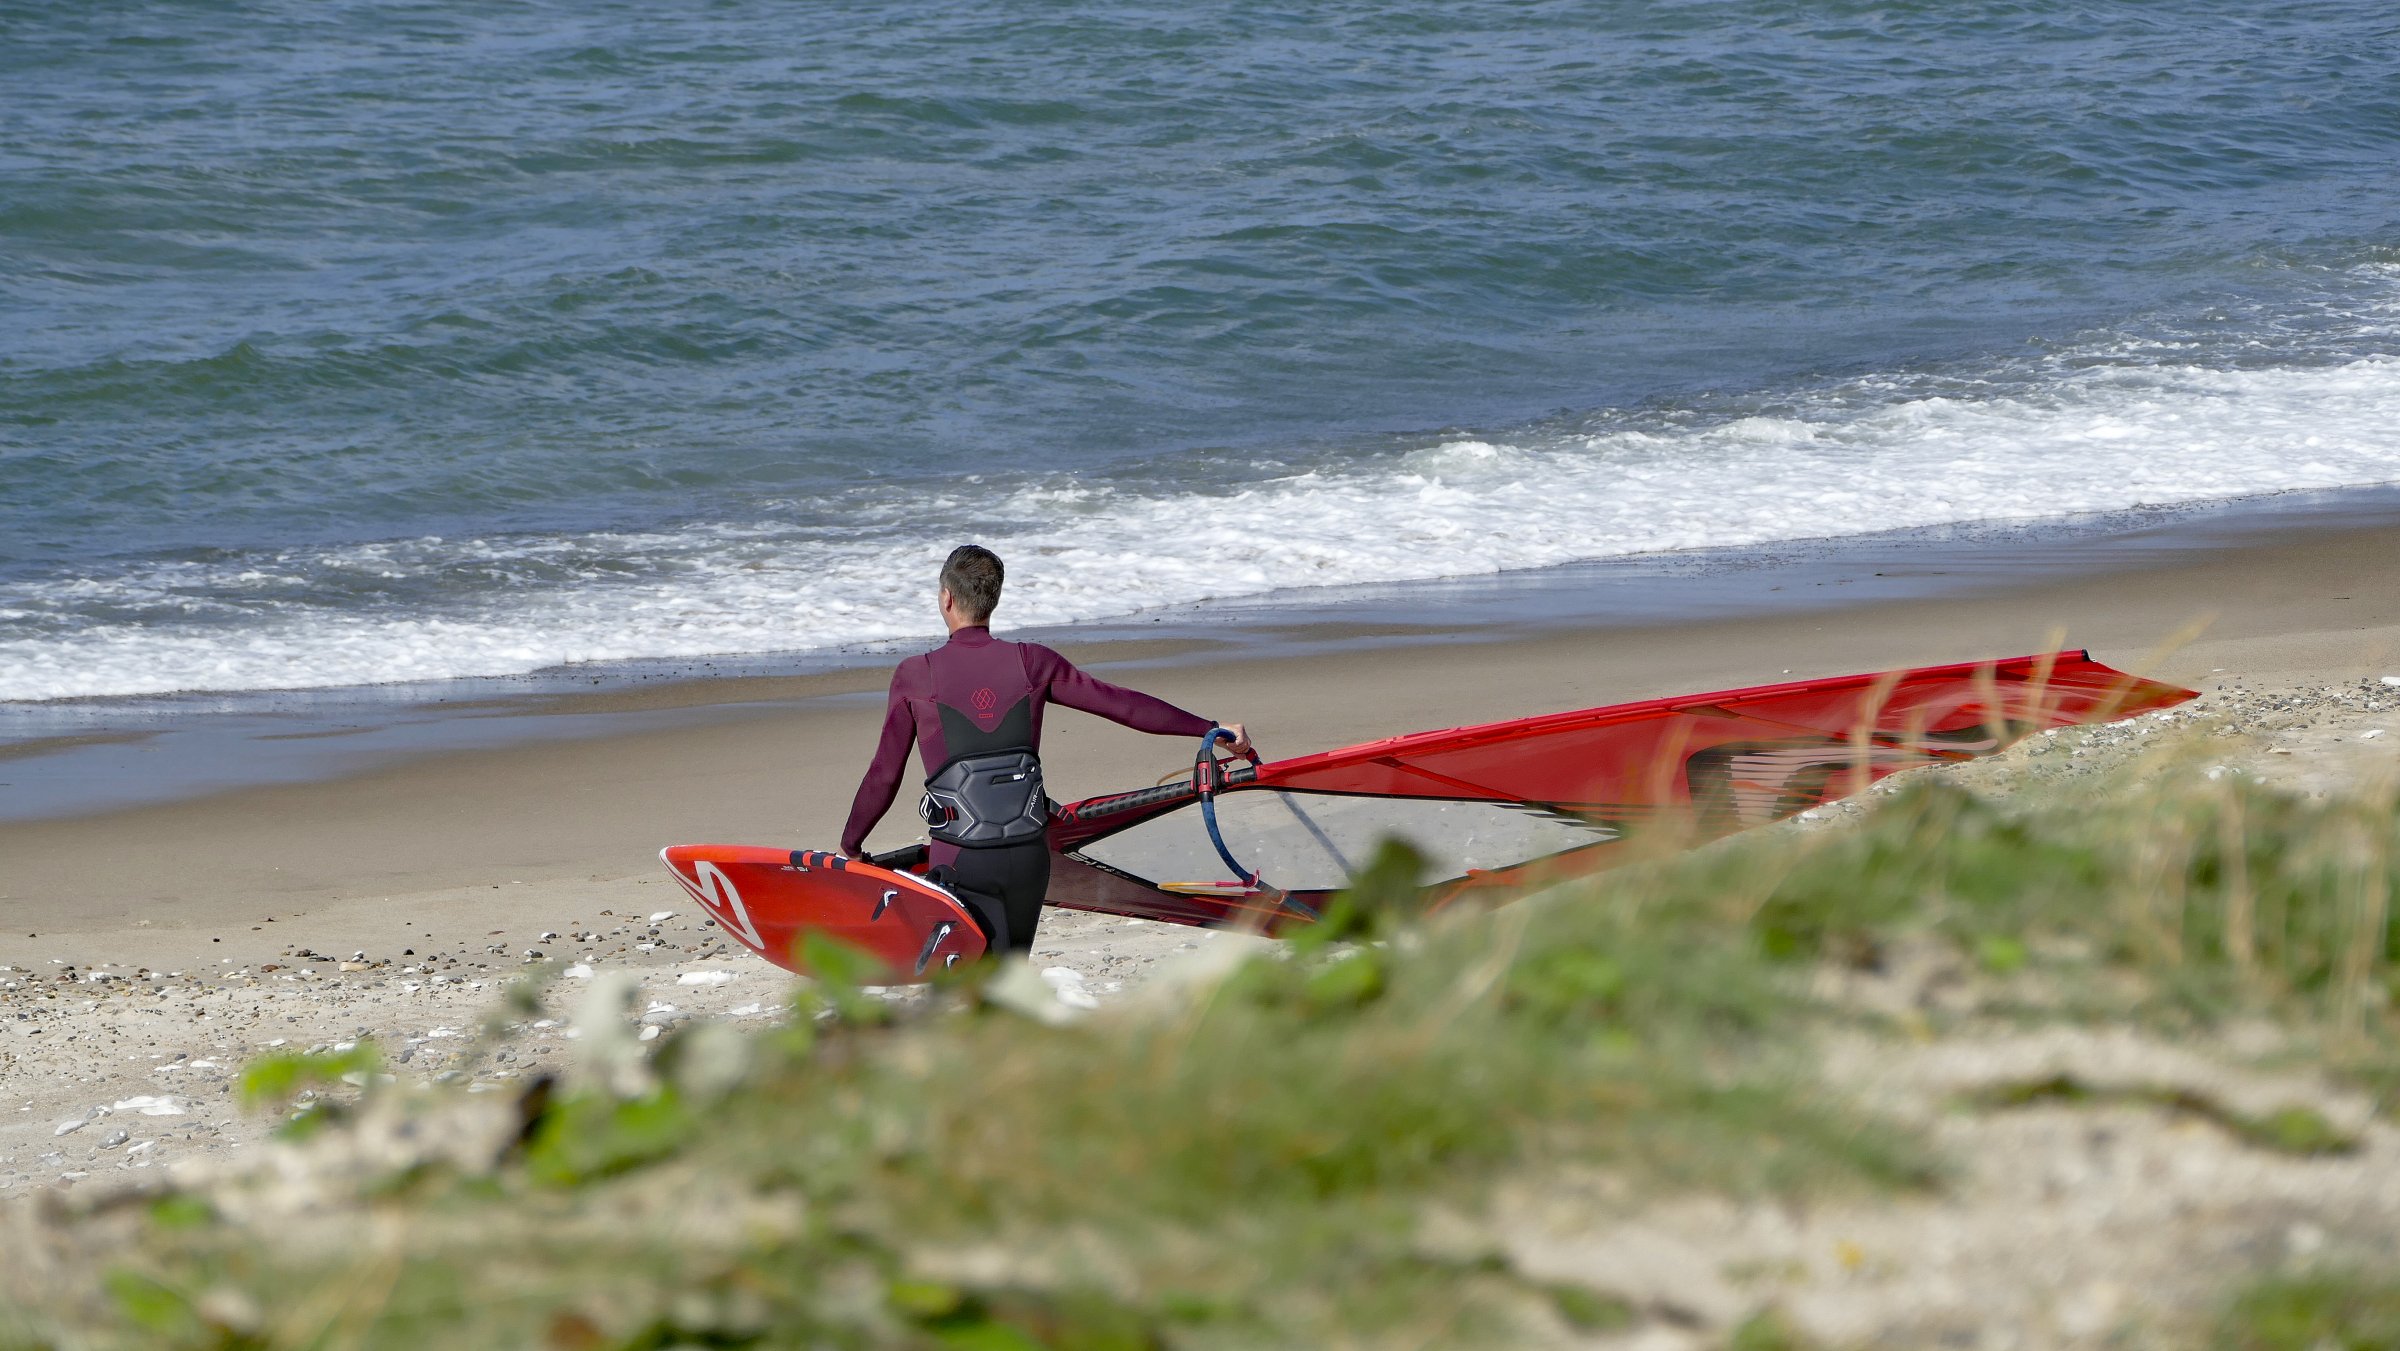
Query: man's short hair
[973, 574]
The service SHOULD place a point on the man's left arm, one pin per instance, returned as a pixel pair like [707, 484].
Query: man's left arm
[1072, 686]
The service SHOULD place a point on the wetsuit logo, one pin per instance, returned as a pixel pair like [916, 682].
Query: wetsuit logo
[985, 701]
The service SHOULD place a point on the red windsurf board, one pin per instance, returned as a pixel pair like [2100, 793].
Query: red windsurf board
[767, 898]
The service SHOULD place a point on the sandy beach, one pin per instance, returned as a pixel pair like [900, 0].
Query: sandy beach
[166, 947]
[154, 950]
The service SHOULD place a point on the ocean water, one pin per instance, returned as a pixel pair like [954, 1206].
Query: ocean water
[346, 343]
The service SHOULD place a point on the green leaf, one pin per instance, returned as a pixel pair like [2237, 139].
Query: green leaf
[840, 969]
[1766, 1331]
[182, 1211]
[2297, 1130]
[2000, 954]
[924, 1300]
[1382, 896]
[158, 1307]
[1589, 1310]
[1346, 982]
[276, 1079]
[593, 1135]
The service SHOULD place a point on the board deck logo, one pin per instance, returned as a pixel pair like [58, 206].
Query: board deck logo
[718, 896]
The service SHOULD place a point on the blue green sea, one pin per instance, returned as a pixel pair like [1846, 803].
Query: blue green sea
[348, 342]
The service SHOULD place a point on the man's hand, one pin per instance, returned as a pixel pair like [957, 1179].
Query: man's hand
[1240, 744]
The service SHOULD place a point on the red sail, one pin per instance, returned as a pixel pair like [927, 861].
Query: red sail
[1535, 797]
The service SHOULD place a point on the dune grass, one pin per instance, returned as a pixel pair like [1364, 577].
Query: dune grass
[1276, 1154]
[2318, 1311]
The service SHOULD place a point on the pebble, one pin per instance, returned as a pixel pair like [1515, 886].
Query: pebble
[151, 1105]
[1067, 982]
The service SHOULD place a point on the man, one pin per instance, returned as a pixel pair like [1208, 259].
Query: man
[974, 708]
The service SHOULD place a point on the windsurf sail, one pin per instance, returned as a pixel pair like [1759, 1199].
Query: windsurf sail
[1506, 803]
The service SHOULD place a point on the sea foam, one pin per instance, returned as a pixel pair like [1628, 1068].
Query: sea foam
[1872, 455]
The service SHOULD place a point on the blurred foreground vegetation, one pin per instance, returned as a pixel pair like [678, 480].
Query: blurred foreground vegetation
[1271, 1153]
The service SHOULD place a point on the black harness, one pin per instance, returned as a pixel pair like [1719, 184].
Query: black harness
[987, 800]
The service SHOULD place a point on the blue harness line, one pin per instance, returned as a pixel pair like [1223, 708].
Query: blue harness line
[1208, 775]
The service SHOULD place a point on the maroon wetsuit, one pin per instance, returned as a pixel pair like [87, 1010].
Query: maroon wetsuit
[976, 694]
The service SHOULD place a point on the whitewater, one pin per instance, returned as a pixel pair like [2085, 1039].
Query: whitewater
[2100, 435]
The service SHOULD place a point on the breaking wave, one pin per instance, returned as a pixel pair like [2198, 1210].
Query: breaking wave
[2107, 426]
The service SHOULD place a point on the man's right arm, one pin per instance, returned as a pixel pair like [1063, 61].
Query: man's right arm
[882, 782]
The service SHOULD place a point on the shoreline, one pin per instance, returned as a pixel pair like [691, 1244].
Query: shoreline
[774, 758]
[67, 759]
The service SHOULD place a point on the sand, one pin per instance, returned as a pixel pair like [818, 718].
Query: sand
[152, 951]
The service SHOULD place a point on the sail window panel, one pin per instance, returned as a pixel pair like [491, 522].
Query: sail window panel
[1315, 841]
[1613, 763]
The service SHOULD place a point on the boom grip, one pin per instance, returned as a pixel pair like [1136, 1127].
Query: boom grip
[1209, 775]
[902, 859]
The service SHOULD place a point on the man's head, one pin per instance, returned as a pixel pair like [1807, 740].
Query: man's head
[971, 583]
